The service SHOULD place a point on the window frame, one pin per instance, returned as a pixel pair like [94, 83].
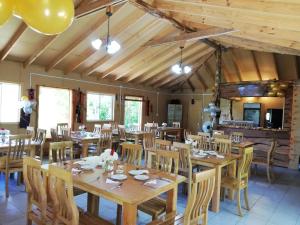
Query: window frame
[19, 99]
[99, 94]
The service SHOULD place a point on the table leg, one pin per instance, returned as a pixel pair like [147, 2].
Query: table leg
[232, 173]
[129, 214]
[136, 139]
[85, 147]
[171, 200]
[93, 204]
[216, 195]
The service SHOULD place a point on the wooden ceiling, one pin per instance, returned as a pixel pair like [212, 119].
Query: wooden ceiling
[261, 41]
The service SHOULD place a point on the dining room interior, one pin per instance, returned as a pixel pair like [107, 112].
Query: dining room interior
[152, 112]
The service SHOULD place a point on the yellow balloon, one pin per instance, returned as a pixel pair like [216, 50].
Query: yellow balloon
[24, 98]
[6, 7]
[46, 16]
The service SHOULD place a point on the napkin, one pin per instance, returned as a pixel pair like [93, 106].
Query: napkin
[151, 182]
[110, 181]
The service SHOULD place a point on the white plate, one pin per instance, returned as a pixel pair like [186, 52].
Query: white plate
[118, 177]
[141, 177]
[136, 172]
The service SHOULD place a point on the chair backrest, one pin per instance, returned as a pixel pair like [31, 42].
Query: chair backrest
[167, 161]
[19, 146]
[222, 146]
[186, 133]
[60, 151]
[147, 127]
[176, 124]
[122, 132]
[221, 136]
[148, 140]
[201, 194]
[106, 126]
[206, 135]
[245, 163]
[66, 134]
[216, 132]
[132, 153]
[97, 129]
[59, 127]
[54, 135]
[162, 144]
[105, 140]
[30, 131]
[202, 141]
[61, 192]
[40, 137]
[35, 187]
[185, 163]
[237, 137]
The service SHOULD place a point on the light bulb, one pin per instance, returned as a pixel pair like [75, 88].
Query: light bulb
[113, 47]
[96, 43]
[177, 69]
[187, 69]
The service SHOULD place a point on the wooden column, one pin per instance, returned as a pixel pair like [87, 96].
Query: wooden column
[217, 82]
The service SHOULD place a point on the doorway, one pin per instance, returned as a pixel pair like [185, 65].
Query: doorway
[133, 112]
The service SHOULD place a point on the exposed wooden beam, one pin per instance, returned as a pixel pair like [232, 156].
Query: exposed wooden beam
[201, 34]
[298, 66]
[190, 84]
[40, 50]
[88, 8]
[84, 35]
[13, 40]
[256, 66]
[87, 53]
[206, 66]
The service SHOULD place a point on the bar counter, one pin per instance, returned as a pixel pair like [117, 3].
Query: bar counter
[262, 137]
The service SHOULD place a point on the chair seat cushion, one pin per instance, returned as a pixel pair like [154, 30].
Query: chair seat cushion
[154, 206]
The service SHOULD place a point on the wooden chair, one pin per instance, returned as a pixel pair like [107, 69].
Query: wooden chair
[185, 163]
[222, 146]
[173, 137]
[54, 135]
[65, 211]
[60, 150]
[30, 131]
[106, 126]
[206, 135]
[202, 141]
[266, 160]
[237, 137]
[19, 146]
[163, 144]
[132, 154]
[59, 127]
[166, 161]
[97, 129]
[221, 136]
[36, 190]
[105, 140]
[197, 203]
[176, 124]
[65, 134]
[40, 139]
[241, 181]
[218, 132]
[122, 133]
[186, 133]
[148, 144]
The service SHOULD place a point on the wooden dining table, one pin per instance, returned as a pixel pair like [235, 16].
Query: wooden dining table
[132, 192]
[136, 135]
[85, 139]
[163, 131]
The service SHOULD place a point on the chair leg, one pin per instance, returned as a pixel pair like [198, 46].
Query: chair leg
[6, 184]
[255, 169]
[222, 194]
[205, 216]
[268, 174]
[239, 202]
[119, 214]
[246, 198]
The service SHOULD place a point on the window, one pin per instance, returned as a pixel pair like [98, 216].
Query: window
[55, 106]
[100, 107]
[133, 112]
[9, 102]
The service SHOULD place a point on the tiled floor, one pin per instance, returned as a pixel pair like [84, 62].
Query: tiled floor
[275, 204]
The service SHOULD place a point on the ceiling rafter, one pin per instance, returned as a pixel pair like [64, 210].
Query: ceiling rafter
[256, 66]
[200, 79]
[84, 35]
[127, 44]
[174, 80]
[95, 6]
[13, 40]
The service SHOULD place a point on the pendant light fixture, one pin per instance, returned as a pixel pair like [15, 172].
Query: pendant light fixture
[112, 46]
[179, 68]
